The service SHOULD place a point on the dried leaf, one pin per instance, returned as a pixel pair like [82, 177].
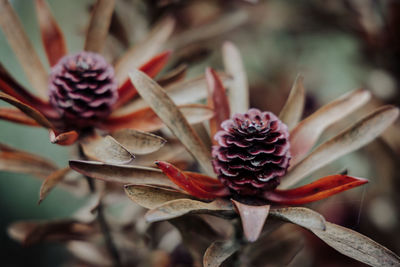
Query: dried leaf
[29, 111]
[217, 100]
[357, 246]
[253, 219]
[63, 139]
[356, 136]
[293, 109]
[88, 252]
[99, 25]
[238, 92]
[52, 36]
[179, 207]
[123, 174]
[304, 136]
[165, 108]
[106, 149]
[22, 47]
[138, 142]
[151, 197]
[15, 115]
[145, 50]
[301, 216]
[173, 76]
[51, 181]
[218, 252]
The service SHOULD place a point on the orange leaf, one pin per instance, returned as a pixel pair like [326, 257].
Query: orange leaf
[320, 189]
[63, 139]
[208, 184]
[52, 36]
[17, 116]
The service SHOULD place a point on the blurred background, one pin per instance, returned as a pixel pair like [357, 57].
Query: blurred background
[337, 45]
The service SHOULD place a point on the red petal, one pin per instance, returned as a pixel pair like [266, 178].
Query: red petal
[208, 184]
[183, 181]
[17, 116]
[217, 100]
[320, 189]
[127, 91]
[64, 139]
[52, 36]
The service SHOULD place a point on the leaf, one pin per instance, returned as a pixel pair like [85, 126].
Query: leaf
[238, 92]
[301, 216]
[63, 139]
[106, 149]
[304, 136]
[217, 100]
[29, 111]
[89, 253]
[52, 36]
[99, 25]
[150, 196]
[137, 142]
[23, 48]
[17, 116]
[253, 219]
[145, 50]
[357, 246]
[218, 252]
[320, 189]
[123, 174]
[208, 184]
[293, 109]
[356, 136]
[179, 207]
[169, 113]
[51, 181]
[23, 162]
[173, 76]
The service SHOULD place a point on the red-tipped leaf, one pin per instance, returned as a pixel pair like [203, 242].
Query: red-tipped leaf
[127, 91]
[208, 184]
[320, 189]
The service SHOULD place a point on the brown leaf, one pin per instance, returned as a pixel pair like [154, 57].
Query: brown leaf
[356, 136]
[138, 142]
[301, 216]
[293, 109]
[106, 149]
[52, 36]
[123, 174]
[169, 113]
[179, 207]
[145, 50]
[15, 115]
[238, 92]
[357, 246]
[173, 76]
[22, 47]
[253, 219]
[99, 25]
[218, 252]
[51, 181]
[304, 136]
[151, 197]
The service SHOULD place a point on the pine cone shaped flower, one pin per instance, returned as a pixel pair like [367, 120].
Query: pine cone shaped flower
[253, 152]
[83, 89]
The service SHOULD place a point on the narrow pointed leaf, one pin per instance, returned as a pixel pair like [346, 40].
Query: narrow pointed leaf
[22, 47]
[173, 76]
[137, 142]
[29, 111]
[356, 136]
[293, 109]
[305, 135]
[208, 184]
[151, 197]
[301, 216]
[179, 207]
[147, 120]
[217, 100]
[123, 174]
[99, 25]
[357, 246]
[52, 36]
[51, 181]
[253, 219]
[63, 139]
[106, 149]
[169, 113]
[239, 89]
[218, 252]
[15, 115]
[145, 50]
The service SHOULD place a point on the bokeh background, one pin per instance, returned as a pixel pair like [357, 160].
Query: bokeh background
[337, 45]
